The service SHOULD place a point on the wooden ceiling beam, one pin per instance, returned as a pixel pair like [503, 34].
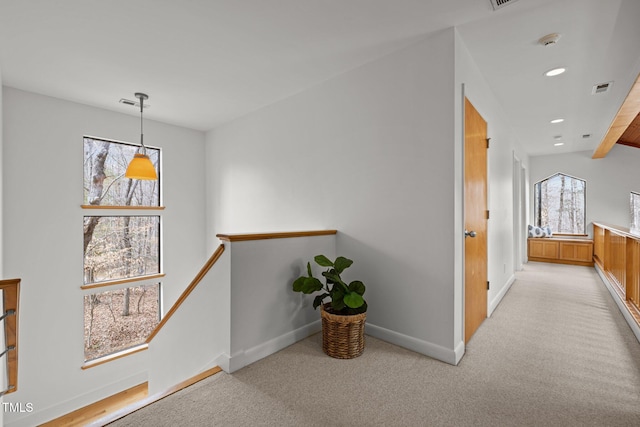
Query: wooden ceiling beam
[625, 116]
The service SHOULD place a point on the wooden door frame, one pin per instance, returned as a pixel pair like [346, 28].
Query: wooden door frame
[518, 226]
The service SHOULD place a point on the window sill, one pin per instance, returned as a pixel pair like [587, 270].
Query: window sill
[158, 208]
[122, 281]
[114, 356]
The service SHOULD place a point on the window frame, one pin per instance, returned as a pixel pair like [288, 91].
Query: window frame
[635, 227]
[129, 346]
[537, 217]
[158, 170]
[135, 281]
[131, 279]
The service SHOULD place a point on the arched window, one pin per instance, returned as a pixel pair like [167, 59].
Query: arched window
[634, 205]
[560, 203]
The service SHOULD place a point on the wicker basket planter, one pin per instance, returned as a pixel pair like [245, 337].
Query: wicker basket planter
[342, 336]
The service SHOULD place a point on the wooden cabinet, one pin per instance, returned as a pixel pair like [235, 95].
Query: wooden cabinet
[543, 248]
[563, 251]
[582, 252]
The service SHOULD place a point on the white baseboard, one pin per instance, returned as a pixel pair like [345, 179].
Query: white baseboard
[242, 358]
[621, 306]
[459, 351]
[419, 346]
[222, 360]
[210, 365]
[493, 304]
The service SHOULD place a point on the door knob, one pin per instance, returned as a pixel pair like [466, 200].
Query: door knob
[469, 233]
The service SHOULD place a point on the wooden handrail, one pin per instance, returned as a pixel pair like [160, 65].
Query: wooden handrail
[625, 231]
[11, 297]
[279, 235]
[203, 271]
[617, 254]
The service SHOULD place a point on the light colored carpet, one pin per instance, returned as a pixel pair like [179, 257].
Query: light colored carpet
[556, 352]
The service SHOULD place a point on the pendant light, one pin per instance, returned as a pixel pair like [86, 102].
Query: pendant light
[140, 166]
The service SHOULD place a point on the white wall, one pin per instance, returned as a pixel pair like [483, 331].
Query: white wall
[377, 154]
[1, 192]
[370, 153]
[42, 171]
[503, 146]
[265, 314]
[196, 333]
[2, 371]
[609, 180]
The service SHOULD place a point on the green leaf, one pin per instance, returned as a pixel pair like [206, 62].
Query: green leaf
[318, 300]
[323, 261]
[357, 287]
[353, 300]
[311, 285]
[309, 269]
[336, 293]
[297, 284]
[337, 304]
[333, 277]
[361, 309]
[342, 264]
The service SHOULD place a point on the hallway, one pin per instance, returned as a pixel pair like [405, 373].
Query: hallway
[556, 352]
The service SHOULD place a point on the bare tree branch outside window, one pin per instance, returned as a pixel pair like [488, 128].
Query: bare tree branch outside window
[560, 203]
[119, 247]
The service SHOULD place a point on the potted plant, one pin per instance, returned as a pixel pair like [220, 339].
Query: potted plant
[344, 316]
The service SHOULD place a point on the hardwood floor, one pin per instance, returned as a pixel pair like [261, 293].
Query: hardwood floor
[121, 404]
[101, 408]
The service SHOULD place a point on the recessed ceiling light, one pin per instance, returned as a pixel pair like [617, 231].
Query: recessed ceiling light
[555, 72]
[558, 144]
[557, 120]
[557, 137]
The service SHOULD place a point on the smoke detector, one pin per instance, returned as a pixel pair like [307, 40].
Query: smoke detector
[549, 39]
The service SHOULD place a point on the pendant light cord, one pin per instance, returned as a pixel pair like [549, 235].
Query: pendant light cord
[143, 149]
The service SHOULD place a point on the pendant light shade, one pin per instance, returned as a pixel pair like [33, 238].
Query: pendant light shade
[140, 166]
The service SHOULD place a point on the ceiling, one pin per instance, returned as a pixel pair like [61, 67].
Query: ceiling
[206, 62]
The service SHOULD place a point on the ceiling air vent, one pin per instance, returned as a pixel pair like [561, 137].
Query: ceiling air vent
[601, 88]
[497, 4]
[132, 103]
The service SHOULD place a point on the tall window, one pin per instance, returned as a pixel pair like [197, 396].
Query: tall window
[122, 249]
[634, 206]
[560, 203]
